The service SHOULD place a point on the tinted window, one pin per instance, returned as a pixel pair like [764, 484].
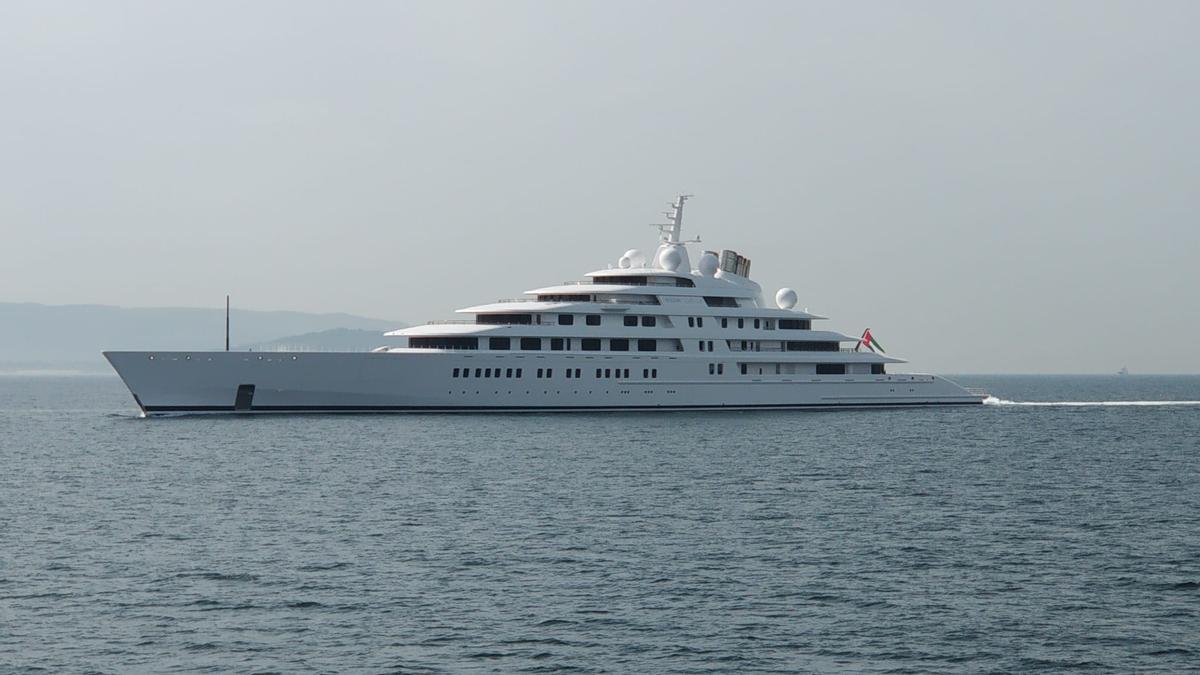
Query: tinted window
[647, 345]
[631, 321]
[556, 344]
[566, 319]
[648, 321]
[593, 319]
[456, 372]
[590, 344]
[498, 343]
[831, 369]
[531, 344]
[618, 345]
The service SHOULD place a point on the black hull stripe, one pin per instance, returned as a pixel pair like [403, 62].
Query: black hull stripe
[525, 408]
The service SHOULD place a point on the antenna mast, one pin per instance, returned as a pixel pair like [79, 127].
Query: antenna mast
[226, 323]
[671, 230]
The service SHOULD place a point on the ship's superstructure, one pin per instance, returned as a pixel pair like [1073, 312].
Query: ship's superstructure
[654, 332]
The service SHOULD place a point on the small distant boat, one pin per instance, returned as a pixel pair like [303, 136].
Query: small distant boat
[1123, 371]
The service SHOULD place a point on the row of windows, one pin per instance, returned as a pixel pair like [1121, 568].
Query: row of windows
[544, 373]
[645, 321]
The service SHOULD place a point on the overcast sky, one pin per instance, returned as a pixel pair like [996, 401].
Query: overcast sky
[991, 187]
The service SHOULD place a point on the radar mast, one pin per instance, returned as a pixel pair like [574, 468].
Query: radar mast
[670, 231]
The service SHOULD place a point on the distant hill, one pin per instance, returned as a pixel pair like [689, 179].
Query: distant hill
[35, 335]
[332, 340]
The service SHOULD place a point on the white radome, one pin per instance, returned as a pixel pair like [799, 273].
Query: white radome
[786, 298]
[636, 258]
[624, 263]
[708, 264]
[670, 259]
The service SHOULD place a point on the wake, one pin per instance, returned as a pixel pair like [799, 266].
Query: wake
[992, 400]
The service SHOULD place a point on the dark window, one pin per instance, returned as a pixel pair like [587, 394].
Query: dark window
[618, 345]
[720, 302]
[496, 373]
[700, 322]
[504, 319]
[645, 373]
[743, 368]
[556, 344]
[487, 372]
[577, 373]
[809, 346]
[648, 321]
[498, 343]
[702, 345]
[691, 322]
[647, 345]
[598, 371]
[566, 319]
[549, 372]
[539, 373]
[720, 368]
[590, 344]
[508, 373]
[630, 320]
[593, 319]
[444, 342]
[564, 297]
[710, 345]
[795, 324]
[626, 373]
[478, 372]
[724, 323]
[518, 372]
[712, 369]
[831, 369]
[456, 372]
[608, 372]
[741, 323]
[531, 344]
[756, 323]
[684, 283]
[877, 369]
[568, 373]
[653, 373]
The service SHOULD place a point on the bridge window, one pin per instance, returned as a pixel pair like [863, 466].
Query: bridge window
[444, 342]
[795, 324]
[556, 344]
[504, 319]
[618, 345]
[531, 344]
[712, 301]
[647, 345]
[566, 319]
[630, 320]
[498, 343]
[831, 369]
[590, 344]
[593, 319]
[648, 321]
[878, 369]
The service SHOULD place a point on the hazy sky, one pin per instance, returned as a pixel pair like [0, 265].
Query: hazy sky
[991, 187]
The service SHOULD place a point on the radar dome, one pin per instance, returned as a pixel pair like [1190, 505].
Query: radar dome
[670, 259]
[785, 298]
[636, 258]
[708, 264]
[624, 262]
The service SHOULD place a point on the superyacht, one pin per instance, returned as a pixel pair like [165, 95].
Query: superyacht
[653, 332]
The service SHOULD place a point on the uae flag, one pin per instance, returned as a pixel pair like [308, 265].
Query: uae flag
[870, 342]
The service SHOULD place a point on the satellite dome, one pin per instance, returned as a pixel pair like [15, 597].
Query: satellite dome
[624, 263]
[708, 264]
[785, 298]
[636, 258]
[670, 259]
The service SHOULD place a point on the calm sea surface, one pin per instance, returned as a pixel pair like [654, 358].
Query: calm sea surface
[1000, 538]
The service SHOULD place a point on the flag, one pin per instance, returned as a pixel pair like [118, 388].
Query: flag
[870, 342]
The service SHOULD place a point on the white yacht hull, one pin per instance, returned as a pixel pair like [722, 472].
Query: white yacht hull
[287, 382]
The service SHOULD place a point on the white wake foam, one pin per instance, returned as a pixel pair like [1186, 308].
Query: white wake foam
[992, 400]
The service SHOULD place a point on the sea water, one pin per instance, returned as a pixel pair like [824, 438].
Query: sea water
[1057, 528]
